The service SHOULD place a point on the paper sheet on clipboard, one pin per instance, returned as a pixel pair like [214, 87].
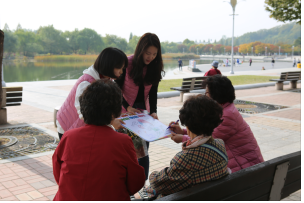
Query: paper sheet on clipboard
[145, 126]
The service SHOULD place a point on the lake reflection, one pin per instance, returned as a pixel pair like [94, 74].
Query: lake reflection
[41, 71]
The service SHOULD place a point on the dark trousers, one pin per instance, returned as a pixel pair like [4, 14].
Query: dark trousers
[145, 161]
[180, 67]
[60, 136]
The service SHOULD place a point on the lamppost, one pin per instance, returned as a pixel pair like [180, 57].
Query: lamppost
[279, 50]
[292, 52]
[252, 51]
[233, 5]
[266, 51]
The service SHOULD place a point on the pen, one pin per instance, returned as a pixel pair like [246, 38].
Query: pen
[174, 123]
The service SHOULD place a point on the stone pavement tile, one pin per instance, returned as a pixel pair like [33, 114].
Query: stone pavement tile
[28, 114]
[276, 123]
[5, 193]
[47, 183]
[42, 199]
[65, 87]
[51, 197]
[10, 198]
[290, 114]
[24, 197]
[35, 180]
[169, 102]
[261, 91]
[48, 189]
[49, 126]
[21, 189]
[35, 194]
[19, 182]
[51, 192]
[287, 99]
[9, 177]
[2, 187]
[38, 185]
[8, 184]
[23, 174]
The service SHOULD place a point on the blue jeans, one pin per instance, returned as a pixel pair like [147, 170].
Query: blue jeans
[144, 162]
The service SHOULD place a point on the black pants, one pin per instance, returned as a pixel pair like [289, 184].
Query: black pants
[60, 136]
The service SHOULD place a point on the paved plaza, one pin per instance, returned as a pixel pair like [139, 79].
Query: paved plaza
[31, 178]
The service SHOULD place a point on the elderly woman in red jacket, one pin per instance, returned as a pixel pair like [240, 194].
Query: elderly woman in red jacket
[242, 148]
[94, 162]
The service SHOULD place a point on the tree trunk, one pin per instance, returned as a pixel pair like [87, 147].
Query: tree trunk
[1, 56]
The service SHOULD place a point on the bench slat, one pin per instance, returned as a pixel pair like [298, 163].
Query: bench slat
[13, 89]
[14, 94]
[13, 99]
[13, 104]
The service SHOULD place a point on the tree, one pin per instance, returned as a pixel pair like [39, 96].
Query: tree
[10, 41]
[52, 40]
[26, 42]
[131, 36]
[287, 10]
[132, 44]
[297, 42]
[90, 41]
[117, 42]
[71, 37]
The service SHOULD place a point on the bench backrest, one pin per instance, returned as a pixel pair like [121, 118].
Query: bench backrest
[13, 96]
[193, 83]
[271, 180]
[296, 75]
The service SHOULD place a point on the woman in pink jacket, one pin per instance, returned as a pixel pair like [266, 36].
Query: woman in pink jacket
[139, 81]
[109, 64]
[242, 148]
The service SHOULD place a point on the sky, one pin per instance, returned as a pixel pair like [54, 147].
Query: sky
[171, 20]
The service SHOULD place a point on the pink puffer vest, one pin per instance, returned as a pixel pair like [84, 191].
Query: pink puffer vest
[130, 90]
[241, 146]
[67, 115]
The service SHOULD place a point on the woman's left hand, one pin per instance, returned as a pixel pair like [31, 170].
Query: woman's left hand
[117, 123]
[154, 115]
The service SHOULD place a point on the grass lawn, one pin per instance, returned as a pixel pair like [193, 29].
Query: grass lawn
[164, 85]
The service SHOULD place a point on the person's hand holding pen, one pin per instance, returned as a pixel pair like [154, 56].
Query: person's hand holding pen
[177, 134]
[175, 127]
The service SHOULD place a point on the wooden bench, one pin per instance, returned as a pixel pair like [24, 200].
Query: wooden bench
[293, 77]
[193, 83]
[272, 180]
[11, 96]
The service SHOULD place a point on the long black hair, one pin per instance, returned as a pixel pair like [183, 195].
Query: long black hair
[109, 59]
[155, 69]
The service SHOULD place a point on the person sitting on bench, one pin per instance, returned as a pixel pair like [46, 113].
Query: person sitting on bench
[94, 162]
[213, 70]
[242, 148]
[202, 158]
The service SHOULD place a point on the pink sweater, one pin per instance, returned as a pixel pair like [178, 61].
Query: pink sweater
[241, 146]
[130, 90]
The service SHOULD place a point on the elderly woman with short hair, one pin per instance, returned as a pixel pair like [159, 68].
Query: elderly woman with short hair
[202, 158]
[94, 162]
[242, 148]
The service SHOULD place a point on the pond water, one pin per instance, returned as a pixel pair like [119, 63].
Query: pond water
[41, 71]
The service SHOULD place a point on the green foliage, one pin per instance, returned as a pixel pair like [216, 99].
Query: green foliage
[287, 10]
[10, 41]
[114, 41]
[132, 44]
[131, 36]
[297, 42]
[286, 33]
[89, 41]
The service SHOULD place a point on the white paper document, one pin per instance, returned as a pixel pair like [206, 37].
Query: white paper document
[145, 126]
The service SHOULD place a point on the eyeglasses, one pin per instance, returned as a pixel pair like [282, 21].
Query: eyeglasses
[206, 93]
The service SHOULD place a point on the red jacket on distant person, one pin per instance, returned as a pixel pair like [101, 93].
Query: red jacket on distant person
[241, 146]
[212, 72]
[96, 163]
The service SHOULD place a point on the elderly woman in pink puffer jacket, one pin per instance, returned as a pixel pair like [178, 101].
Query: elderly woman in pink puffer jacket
[242, 148]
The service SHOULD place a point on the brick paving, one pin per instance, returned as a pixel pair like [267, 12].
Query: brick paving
[277, 133]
